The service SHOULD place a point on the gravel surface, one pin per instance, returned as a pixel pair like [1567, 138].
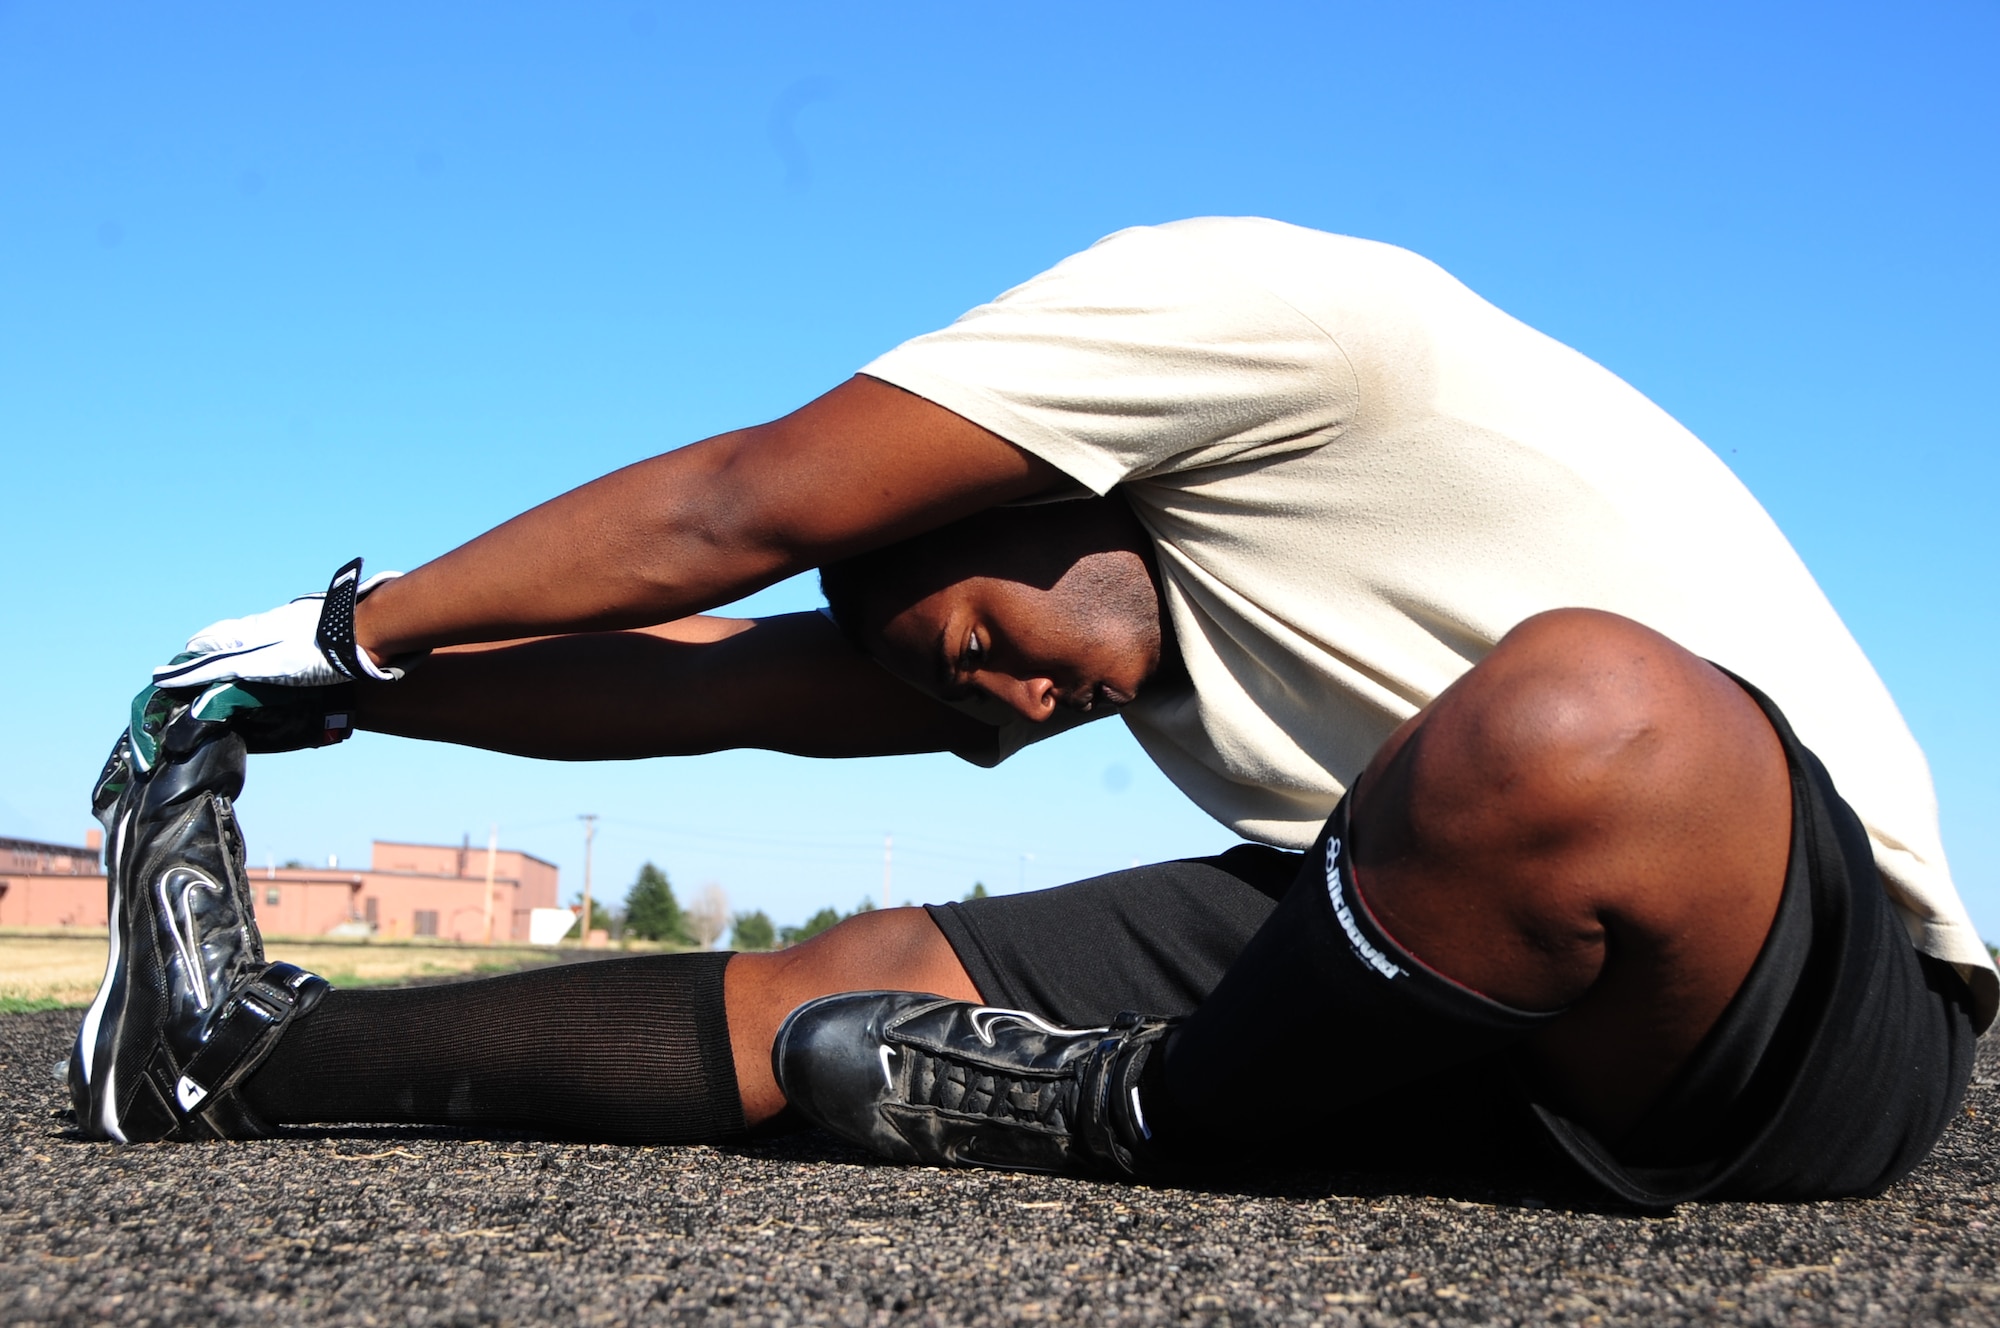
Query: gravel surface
[391, 1225]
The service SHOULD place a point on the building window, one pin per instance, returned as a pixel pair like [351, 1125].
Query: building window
[271, 897]
[427, 922]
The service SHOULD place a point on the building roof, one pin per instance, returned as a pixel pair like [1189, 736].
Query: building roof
[478, 850]
[37, 858]
[37, 846]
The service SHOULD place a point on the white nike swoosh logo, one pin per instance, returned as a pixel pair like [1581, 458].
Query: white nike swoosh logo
[175, 885]
[986, 1016]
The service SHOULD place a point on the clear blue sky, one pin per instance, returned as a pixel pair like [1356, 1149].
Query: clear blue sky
[280, 284]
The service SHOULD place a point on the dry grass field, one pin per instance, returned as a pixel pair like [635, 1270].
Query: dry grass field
[42, 970]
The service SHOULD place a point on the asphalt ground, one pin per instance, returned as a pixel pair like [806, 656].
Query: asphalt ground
[405, 1226]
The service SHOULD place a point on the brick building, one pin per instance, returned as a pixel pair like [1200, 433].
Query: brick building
[407, 890]
[56, 885]
[438, 890]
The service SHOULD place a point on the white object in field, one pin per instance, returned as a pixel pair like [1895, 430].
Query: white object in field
[707, 914]
[546, 926]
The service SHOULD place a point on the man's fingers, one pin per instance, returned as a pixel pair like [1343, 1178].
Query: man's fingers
[285, 664]
[277, 646]
[222, 666]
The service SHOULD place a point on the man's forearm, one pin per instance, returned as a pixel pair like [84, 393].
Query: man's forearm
[860, 467]
[790, 684]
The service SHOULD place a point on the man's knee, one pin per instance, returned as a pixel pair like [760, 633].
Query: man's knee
[1578, 724]
[1588, 774]
[1612, 732]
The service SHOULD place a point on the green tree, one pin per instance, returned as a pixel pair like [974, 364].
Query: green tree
[752, 931]
[811, 927]
[978, 890]
[651, 911]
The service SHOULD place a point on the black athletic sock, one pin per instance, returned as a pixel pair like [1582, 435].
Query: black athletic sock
[631, 1050]
[1321, 1010]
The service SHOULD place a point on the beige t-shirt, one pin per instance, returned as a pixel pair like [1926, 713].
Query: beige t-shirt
[1359, 475]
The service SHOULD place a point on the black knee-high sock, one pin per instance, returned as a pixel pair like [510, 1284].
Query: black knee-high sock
[631, 1050]
[1321, 1010]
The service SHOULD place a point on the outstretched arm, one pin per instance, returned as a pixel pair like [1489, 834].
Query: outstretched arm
[862, 466]
[790, 684]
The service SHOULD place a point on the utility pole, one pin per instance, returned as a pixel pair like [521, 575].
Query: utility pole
[589, 820]
[492, 847]
[888, 865]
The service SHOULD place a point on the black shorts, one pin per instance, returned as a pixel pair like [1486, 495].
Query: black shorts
[1831, 1073]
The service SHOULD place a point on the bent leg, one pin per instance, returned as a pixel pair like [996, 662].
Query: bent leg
[1592, 820]
[1579, 847]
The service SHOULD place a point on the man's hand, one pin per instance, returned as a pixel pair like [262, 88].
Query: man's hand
[269, 718]
[306, 643]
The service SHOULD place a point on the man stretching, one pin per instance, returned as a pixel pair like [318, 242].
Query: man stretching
[1556, 760]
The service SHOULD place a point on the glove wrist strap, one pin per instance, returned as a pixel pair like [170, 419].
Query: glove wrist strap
[335, 634]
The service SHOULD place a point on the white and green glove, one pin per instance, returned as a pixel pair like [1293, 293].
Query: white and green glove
[268, 717]
[306, 643]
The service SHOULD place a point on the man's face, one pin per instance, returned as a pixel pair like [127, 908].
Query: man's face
[1033, 650]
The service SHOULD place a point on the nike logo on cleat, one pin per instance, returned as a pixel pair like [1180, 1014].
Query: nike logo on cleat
[966, 1153]
[983, 1019]
[184, 881]
[189, 1093]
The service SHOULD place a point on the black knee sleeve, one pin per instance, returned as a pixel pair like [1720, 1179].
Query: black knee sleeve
[1322, 1010]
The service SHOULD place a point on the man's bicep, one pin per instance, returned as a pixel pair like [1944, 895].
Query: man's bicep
[869, 464]
[862, 466]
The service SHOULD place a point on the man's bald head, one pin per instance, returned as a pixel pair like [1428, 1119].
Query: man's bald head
[1062, 595]
[1036, 545]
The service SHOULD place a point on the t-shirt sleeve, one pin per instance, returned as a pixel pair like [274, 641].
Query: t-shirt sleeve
[1145, 354]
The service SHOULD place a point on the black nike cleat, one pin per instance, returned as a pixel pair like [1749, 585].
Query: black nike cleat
[949, 1083]
[188, 1006]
